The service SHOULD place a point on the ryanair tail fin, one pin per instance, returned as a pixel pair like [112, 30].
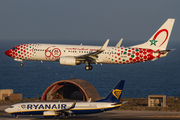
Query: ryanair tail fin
[115, 95]
[160, 38]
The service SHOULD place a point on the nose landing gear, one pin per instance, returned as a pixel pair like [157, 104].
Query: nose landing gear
[22, 63]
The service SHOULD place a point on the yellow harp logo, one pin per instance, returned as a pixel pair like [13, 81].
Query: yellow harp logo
[116, 93]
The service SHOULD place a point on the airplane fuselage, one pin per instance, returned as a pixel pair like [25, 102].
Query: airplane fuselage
[50, 109]
[54, 52]
[154, 48]
[41, 108]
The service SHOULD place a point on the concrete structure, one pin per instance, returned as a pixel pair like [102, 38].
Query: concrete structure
[5, 93]
[16, 96]
[157, 100]
[75, 89]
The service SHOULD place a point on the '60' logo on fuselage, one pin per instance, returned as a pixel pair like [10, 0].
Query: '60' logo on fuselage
[52, 52]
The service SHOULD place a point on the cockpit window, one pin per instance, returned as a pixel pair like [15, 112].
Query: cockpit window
[14, 48]
[11, 107]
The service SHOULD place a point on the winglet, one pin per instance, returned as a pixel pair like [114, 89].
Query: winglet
[89, 100]
[104, 46]
[119, 43]
[73, 105]
[94, 55]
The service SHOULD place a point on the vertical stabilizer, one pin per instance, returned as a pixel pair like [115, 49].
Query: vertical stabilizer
[160, 38]
[115, 95]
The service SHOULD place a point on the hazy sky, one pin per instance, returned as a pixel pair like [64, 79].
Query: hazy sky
[86, 20]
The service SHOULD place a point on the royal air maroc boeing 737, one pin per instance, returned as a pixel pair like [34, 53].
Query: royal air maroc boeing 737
[73, 55]
[50, 109]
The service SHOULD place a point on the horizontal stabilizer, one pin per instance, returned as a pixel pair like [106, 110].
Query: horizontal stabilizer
[120, 103]
[124, 102]
[163, 51]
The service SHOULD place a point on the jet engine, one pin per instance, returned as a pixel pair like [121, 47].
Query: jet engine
[68, 61]
[50, 114]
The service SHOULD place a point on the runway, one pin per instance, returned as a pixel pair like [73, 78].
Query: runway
[109, 115]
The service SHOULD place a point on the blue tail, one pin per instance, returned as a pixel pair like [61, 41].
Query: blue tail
[115, 95]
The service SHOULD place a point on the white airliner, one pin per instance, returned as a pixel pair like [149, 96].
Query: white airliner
[73, 55]
[48, 109]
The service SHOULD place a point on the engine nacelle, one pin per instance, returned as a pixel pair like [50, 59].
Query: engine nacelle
[68, 61]
[50, 114]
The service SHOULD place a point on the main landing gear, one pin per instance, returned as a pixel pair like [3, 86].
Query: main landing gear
[64, 115]
[88, 66]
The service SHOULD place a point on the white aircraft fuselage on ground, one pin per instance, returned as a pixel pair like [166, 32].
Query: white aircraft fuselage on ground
[112, 101]
[72, 55]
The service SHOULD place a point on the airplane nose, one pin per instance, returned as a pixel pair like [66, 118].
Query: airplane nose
[6, 110]
[8, 53]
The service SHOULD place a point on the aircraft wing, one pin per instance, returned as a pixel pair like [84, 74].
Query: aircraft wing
[93, 56]
[67, 110]
[63, 112]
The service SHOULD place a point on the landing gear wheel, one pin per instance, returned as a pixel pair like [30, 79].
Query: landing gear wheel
[64, 116]
[22, 64]
[90, 67]
[17, 117]
[87, 68]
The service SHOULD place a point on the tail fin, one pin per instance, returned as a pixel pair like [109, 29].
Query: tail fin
[115, 95]
[160, 38]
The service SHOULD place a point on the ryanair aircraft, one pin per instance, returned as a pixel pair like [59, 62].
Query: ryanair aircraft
[53, 109]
